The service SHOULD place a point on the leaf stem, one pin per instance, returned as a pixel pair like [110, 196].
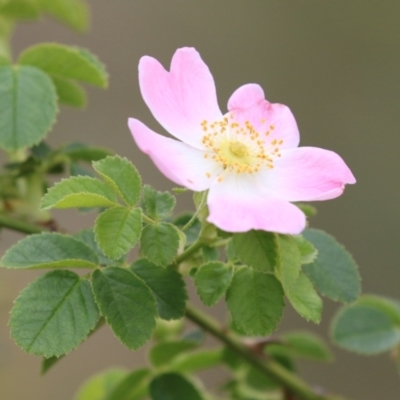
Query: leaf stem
[19, 225]
[188, 252]
[268, 368]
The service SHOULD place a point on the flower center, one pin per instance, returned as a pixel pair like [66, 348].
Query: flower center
[239, 147]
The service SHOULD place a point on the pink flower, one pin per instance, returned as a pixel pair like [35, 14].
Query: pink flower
[247, 159]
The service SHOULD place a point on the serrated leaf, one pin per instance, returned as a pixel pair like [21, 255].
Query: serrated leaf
[54, 314]
[288, 261]
[256, 249]
[162, 354]
[79, 191]
[22, 122]
[65, 62]
[196, 361]
[158, 205]
[122, 177]
[307, 250]
[74, 13]
[167, 285]
[100, 385]
[49, 250]
[132, 387]
[255, 301]
[212, 281]
[367, 326]
[306, 345]
[83, 152]
[334, 273]
[69, 93]
[193, 231]
[118, 230]
[159, 243]
[173, 386]
[127, 304]
[305, 299]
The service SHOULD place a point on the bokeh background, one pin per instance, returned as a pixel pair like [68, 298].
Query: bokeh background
[336, 63]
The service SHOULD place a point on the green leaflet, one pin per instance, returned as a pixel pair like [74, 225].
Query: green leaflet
[74, 13]
[173, 386]
[127, 304]
[159, 243]
[54, 314]
[255, 301]
[101, 385]
[288, 261]
[69, 93]
[371, 325]
[23, 123]
[256, 249]
[161, 354]
[82, 152]
[334, 273]
[79, 191]
[167, 285]
[65, 62]
[118, 230]
[212, 281]
[157, 205]
[192, 362]
[121, 176]
[49, 250]
[133, 386]
[305, 299]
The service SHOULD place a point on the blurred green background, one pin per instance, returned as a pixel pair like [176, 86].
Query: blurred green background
[336, 64]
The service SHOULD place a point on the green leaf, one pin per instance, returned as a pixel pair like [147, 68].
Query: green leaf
[334, 273]
[308, 252]
[172, 386]
[212, 281]
[118, 230]
[255, 301]
[65, 62]
[167, 285]
[305, 299]
[368, 326]
[69, 93]
[79, 191]
[159, 243]
[100, 385]
[158, 205]
[122, 177]
[132, 387]
[127, 304]
[20, 10]
[305, 345]
[288, 261]
[49, 250]
[54, 314]
[210, 253]
[87, 236]
[23, 123]
[196, 361]
[256, 249]
[162, 354]
[83, 152]
[74, 13]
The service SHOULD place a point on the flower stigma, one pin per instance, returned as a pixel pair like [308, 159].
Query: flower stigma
[239, 147]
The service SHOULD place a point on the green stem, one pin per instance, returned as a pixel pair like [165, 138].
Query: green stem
[19, 225]
[268, 368]
[188, 252]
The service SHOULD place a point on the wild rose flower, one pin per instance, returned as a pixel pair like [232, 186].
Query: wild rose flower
[247, 159]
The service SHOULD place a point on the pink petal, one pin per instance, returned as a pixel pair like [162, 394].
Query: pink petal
[239, 204]
[248, 104]
[182, 98]
[179, 162]
[309, 173]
